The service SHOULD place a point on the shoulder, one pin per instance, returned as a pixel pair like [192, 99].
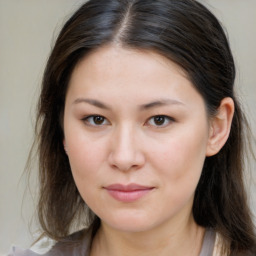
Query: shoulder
[75, 244]
[218, 249]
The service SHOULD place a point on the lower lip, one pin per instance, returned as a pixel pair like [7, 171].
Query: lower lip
[128, 196]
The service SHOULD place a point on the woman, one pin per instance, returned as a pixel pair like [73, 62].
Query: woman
[141, 135]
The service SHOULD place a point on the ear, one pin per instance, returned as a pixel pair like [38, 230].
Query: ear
[220, 126]
[65, 146]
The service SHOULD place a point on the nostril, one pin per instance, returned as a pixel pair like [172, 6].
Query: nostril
[125, 153]
[126, 162]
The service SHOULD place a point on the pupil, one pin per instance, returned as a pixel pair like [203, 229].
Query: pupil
[98, 119]
[159, 120]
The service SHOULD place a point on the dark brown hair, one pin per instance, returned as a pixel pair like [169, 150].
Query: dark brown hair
[183, 31]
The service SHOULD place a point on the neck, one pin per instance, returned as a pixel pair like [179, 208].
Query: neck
[183, 239]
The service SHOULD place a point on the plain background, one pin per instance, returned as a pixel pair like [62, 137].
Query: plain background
[28, 29]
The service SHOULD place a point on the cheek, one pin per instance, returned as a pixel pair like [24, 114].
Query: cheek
[84, 156]
[85, 165]
[180, 160]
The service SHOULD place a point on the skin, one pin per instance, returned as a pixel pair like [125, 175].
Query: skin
[127, 89]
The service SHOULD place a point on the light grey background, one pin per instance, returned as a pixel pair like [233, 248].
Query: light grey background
[27, 32]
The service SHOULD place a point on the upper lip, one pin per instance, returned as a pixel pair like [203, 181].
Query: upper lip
[128, 187]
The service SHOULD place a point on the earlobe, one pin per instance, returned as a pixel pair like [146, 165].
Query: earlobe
[65, 146]
[220, 126]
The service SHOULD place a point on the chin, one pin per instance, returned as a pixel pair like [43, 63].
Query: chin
[131, 223]
[131, 227]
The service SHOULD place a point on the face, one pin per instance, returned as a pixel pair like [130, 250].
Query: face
[136, 133]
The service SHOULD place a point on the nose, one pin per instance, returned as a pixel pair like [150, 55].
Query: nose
[126, 153]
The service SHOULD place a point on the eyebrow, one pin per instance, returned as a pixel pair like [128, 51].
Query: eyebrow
[159, 103]
[93, 102]
[153, 104]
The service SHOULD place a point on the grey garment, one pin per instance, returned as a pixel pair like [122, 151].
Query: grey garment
[68, 248]
[208, 243]
[75, 245]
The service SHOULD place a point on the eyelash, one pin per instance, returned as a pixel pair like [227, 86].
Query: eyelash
[163, 119]
[166, 120]
[90, 120]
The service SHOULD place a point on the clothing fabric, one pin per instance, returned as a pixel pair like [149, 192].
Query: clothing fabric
[69, 247]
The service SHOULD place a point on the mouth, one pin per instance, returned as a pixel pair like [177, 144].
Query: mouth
[128, 193]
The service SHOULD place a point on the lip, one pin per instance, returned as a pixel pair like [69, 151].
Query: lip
[128, 193]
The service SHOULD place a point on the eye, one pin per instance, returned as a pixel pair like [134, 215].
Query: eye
[95, 120]
[160, 121]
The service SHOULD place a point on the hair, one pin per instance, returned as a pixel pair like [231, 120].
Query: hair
[185, 32]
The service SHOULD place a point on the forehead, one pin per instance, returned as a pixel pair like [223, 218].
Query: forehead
[129, 74]
[104, 55]
[119, 63]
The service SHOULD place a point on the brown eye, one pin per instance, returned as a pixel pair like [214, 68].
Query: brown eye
[95, 120]
[98, 120]
[160, 121]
